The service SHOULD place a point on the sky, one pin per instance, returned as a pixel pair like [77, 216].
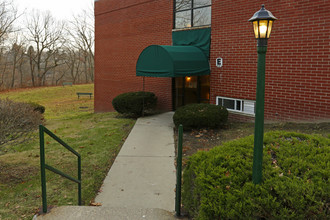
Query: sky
[60, 9]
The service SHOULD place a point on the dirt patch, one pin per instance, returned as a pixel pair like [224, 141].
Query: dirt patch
[206, 139]
[16, 173]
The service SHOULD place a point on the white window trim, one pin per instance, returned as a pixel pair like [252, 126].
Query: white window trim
[235, 105]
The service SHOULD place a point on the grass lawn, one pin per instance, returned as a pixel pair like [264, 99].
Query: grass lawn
[60, 101]
[97, 137]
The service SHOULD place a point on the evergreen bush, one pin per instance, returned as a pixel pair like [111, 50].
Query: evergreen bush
[200, 116]
[134, 103]
[296, 169]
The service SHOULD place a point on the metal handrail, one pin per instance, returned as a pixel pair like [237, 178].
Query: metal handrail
[44, 166]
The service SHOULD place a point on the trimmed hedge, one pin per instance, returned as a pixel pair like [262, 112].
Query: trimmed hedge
[296, 169]
[131, 103]
[200, 116]
[37, 107]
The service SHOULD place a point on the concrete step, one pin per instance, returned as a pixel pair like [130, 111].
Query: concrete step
[105, 213]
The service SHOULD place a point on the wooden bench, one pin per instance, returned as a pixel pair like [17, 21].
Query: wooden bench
[67, 84]
[84, 93]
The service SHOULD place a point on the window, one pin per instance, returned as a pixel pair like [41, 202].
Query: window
[237, 105]
[192, 13]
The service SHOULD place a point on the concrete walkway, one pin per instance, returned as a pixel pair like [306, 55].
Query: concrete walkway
[143, 174]
[141, 182]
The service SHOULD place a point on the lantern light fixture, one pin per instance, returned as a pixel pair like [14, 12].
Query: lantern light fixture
[262, 25]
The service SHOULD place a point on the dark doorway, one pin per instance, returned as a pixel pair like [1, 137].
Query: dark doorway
[191, 89]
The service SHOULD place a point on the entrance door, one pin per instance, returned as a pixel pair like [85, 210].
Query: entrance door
[191, 89]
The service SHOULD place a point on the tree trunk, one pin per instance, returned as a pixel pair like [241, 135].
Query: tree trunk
[13, 78]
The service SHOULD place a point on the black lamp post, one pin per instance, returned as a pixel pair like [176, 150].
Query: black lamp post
[262, 25]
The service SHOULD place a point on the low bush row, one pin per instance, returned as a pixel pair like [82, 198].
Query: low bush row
[296, 169]
[37, 107]
[200, 116]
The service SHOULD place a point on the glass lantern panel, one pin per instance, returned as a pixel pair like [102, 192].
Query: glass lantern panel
[263, 24]
[255, 29]
[270, 24]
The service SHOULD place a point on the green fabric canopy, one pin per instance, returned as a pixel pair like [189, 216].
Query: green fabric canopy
[200, 38]
[172, 61]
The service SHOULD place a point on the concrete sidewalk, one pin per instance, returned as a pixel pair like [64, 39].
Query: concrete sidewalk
[143, 174]
[141, 182]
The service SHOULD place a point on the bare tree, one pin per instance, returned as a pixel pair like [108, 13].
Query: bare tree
[73, 63]
[81, 30]
[46, 36]
[16, 55]
[44, 52]
[3, 67]
[20, 66]
[8, 15]
[31, 55]
[60, 70]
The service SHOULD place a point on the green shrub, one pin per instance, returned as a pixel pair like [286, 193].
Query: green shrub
[131, 103]
[37, 107]
[200, 116]
[218, 184]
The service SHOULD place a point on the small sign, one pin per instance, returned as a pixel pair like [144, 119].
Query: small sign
[219, 62]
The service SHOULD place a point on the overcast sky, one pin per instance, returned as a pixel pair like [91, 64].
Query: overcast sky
[61, 9]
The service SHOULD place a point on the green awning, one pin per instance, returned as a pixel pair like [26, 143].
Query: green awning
[200, 38]
[172, 61]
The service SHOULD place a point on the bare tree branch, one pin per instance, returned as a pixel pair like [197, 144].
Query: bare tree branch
[81, 30]
[8, 15]
[46, 36]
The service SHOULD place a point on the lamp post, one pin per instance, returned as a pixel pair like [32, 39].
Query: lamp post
[262, 22]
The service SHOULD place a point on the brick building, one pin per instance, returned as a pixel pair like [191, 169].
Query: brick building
[297, 63]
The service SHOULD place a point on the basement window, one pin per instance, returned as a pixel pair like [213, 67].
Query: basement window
[237, 105]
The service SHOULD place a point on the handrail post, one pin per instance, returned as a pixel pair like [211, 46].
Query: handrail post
[44, 166]
[79, 178]
[42, 169]
[178, 174]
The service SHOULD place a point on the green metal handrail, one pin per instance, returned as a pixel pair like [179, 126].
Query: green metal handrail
[44, 166]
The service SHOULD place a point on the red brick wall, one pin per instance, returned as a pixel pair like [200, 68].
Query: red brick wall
[297, 60]
[122, 30]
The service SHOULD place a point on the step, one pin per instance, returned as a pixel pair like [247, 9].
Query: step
[105, 213]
